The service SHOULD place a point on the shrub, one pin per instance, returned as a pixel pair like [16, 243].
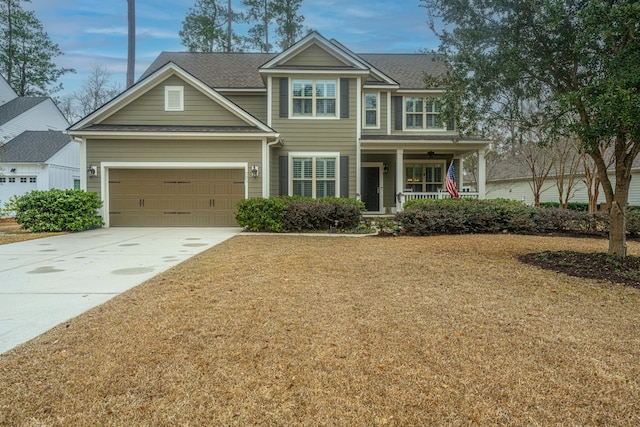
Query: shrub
[261, 214]
[429, 222]
[633, 222]
[57, 210]
[277, 214]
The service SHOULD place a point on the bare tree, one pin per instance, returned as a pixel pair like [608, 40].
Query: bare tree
[131, 42]
[566, 165]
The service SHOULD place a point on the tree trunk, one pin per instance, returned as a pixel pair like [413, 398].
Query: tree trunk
[131, 41]
[617, 230]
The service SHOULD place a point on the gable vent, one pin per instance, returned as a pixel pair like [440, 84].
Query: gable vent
[174, 98]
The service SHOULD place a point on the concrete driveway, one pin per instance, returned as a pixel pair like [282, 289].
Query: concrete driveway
[45, 282]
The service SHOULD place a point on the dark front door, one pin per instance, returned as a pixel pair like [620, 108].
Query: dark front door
[371, 188]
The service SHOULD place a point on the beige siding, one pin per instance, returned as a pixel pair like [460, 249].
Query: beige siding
[199, 109]
[317, 135]
[254, 104]
[382, 116]
[99, 151]
[314, 56]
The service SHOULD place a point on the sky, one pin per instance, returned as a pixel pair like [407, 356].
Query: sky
[94, 32]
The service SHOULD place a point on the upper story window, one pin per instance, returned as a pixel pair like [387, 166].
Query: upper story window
[423, 113]
[314, 98]
[371, 113]
[174, 98]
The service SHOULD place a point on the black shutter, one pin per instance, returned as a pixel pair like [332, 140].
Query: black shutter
[344, 98]
[284, 97]
[344, 176]
[397, 112]
[451, 125]
[284, 175]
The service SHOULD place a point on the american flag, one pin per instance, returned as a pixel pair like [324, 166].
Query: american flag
[450, 183]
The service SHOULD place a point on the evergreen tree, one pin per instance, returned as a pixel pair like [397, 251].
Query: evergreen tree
[207, 27]
[289, 27]
[27, 52]
[261, 13]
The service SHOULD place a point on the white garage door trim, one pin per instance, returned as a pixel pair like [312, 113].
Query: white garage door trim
[106, 166]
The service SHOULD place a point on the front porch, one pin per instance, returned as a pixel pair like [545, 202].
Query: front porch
[394, 172]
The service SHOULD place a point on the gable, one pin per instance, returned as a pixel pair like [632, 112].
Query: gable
[199, 109]
[314, 56]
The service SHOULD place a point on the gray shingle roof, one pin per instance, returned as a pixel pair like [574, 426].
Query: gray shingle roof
[240, 70]
[34, 146]
[217, 70]
[17, 106]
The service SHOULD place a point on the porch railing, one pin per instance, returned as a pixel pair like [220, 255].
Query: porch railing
[405, 197]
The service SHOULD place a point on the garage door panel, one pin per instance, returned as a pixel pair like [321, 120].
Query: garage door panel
[174, 197]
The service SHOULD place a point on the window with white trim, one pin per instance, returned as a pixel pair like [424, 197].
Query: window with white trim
[314, 176]
[174, 98]
[314, 98]
[12, 180]
[423, 113]
[423, 177]
[33, 179]
[23, 180]
[3, 179]
[371, 111]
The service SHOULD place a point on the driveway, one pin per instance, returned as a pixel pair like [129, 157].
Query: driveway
[45, 282]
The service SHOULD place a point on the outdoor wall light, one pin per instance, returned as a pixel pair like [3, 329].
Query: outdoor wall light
[385, 168]
[92, 170]
[254, 171]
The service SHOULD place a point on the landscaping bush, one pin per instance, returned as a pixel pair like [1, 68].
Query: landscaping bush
[57, 210]
[572, 206]
[261, 214]
[288, 214]
[570, 221]
[429, 222]
[633, 222]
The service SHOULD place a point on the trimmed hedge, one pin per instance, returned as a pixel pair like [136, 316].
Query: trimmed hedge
[293, 214]
[450, 216]
[57, 210]
[572, 206]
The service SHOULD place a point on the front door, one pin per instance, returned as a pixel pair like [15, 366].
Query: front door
[371, 188]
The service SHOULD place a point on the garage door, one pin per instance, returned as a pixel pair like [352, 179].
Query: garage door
[172, 197]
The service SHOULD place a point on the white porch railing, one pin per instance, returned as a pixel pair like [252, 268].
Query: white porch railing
[405, 197]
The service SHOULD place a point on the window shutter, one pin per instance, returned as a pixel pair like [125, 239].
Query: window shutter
[397, 113]
[344, 98]
[284, 175]
[344, 176]
[451, 125]
[284, 97]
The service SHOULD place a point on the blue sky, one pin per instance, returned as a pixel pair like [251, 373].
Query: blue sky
[91, 32]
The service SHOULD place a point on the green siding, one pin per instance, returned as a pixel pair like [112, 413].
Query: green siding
[314, 56]
[316, 135]
[175, 151]
[254, 104]
[199, 109]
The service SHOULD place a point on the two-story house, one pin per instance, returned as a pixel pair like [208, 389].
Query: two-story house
[200, 131]
[35, 154]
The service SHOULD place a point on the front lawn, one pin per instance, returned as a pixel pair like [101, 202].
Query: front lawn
[299, 330]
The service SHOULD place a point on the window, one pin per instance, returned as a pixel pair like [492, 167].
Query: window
[424, 177]
[371, 110]
[23, 180]
[174, 98]
[12, 180]
[423, 113]
[76, 184]
[314, 176]
[3, 179]
[314, 98]
[33, 180]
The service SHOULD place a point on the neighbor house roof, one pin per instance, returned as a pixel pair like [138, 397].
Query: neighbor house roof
[241, 70]
[34, 146]
[17, 106]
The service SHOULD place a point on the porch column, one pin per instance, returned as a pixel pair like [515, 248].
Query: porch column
[399, 177]
[482, 174]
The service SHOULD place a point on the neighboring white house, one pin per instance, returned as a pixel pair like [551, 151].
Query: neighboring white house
[39, 160]
[519, 188]
[35, 154]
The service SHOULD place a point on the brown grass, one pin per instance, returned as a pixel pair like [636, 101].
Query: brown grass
[10, 232]
[286, 330]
